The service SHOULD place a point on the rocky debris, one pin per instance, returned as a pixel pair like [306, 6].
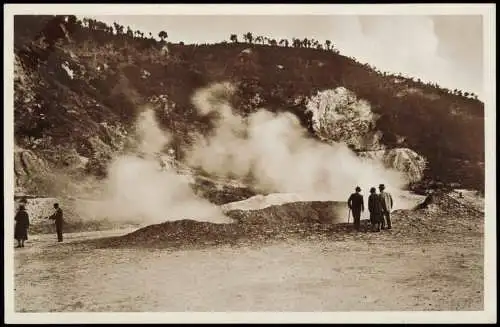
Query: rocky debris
[404, 160]
[220, 192]
[301, 218]
[306, 220]
[469, 198]
[447, 203]
[180, 232]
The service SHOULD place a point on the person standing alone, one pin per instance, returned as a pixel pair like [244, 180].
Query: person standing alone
[387, 205]
[356, 205]
[21, 228]
[57, 216]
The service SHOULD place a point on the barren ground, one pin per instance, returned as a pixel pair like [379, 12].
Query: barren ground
[362, 271]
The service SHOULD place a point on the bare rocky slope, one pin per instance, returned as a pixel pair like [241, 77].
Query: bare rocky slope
[79, 85]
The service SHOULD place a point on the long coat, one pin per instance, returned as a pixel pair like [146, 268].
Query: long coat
[376, 208]
[356, 202]
[22, 224]
[57, 216]
[387, 201]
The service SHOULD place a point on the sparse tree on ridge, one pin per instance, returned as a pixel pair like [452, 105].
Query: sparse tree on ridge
[118, 28]
[162, 35]
[129, 32]
[234, 38]
[248, 37]
[284, 42]
[328, 43]
[296, 43]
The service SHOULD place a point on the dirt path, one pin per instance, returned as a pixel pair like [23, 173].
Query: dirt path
[354, 274]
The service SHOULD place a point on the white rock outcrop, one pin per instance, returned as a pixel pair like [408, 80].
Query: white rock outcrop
[404, 160]
[339, 116]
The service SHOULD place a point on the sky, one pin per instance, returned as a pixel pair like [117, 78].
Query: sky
[446, 49]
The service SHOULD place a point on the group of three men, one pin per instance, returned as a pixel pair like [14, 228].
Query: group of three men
[379, 206]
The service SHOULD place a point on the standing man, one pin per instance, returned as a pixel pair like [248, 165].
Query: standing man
[356, 205]
[376, 209]
[387, 204]
[57, 216]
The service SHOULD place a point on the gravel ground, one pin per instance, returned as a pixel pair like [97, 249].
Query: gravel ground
[426, 262]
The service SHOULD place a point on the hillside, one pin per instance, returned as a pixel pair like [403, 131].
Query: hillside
[79, 87]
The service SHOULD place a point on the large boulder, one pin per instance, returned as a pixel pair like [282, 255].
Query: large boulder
[27, 164]
[28, 169]
[338, 115]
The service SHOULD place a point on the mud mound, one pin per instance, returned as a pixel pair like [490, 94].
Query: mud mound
[271, 222]
[177, 233]
[274, 199]
[469, 198]
[441, 202]
[444, 219]
[322, 212]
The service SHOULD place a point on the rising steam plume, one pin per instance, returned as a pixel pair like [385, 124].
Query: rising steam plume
[137, 189]
[275, 151]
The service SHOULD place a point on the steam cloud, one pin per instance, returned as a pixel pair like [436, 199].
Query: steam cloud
[271, 150]
[275, 152]
[137, 188]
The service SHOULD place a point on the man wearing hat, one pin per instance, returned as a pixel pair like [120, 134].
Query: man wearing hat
[356, 205]
[387, 204]
[57, 216]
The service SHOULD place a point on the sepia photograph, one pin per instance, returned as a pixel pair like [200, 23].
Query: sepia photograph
[250, 163]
